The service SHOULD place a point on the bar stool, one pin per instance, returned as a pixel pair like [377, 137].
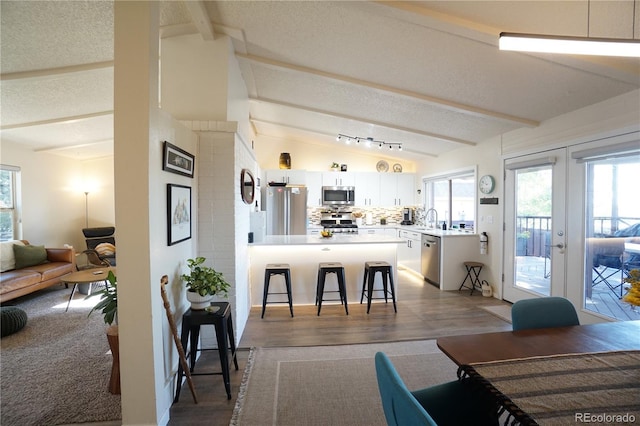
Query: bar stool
[325, 268]
[223, 324]
[370, 270]
[277, 269]
[473, 274]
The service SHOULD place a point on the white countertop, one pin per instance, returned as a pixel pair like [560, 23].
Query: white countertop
[284, 240]
[439, 232]
[415, 228]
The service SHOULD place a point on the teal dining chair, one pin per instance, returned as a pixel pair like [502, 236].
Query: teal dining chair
[544, 312]
[451, 403]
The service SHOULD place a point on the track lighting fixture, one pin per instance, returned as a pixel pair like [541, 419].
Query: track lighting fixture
[368, 142]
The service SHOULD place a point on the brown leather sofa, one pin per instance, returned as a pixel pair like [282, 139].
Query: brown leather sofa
[18, 282]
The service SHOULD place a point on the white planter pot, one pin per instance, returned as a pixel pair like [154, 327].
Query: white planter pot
[198, 303]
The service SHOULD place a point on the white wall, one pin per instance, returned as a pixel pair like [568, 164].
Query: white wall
[618, 115]
[306, 155]
[53, 200]
[487, 158]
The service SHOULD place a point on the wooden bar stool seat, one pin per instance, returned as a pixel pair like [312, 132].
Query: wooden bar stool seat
[473, 275]
[277, 269]
[370, 270]
[325, 268]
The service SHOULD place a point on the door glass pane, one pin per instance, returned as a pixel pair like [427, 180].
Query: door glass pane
[533, 229]
[612, 246]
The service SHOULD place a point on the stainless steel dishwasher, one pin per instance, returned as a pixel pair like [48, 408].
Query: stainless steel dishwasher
[430, 259]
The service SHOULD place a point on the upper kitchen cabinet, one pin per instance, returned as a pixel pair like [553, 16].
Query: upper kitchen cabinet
[288, 176]
[338, 179]
[367, 188]
[314, 189]
[397, 189]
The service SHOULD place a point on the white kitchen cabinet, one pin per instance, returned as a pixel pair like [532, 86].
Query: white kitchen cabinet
[338, 179]
[314, 189]
[409, 252]
[397, 189]
[406, 189]
[371, 231]
[314, 231]
[367, 188]
[293, 177]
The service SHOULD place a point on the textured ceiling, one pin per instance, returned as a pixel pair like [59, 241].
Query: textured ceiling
[427, 74]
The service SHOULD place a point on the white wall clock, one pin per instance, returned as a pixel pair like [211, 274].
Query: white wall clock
[486, 184]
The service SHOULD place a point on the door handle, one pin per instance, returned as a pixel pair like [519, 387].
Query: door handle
[559, 245]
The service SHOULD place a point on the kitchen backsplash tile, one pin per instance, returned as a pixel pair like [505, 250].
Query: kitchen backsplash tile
[392, 214]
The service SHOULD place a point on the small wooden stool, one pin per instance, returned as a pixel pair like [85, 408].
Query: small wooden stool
[277, 269]
[473, 274]
[325, 268]
[370, 270]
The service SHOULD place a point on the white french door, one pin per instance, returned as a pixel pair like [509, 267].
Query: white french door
[535, 226]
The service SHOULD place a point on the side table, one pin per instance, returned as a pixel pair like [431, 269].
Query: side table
[86, 276]
[223, 324]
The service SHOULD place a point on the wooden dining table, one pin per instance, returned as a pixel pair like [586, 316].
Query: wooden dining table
[555, 375]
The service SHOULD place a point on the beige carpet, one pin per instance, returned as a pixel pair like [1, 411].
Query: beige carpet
[330, 385]
[501, 311]
[56, 370]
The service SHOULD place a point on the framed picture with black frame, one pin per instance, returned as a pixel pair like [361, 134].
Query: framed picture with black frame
[177, 160]
[178, 213]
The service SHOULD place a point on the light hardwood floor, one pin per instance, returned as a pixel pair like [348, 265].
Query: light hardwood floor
[424, 312]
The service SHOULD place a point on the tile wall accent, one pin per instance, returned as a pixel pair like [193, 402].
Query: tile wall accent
[393, 214]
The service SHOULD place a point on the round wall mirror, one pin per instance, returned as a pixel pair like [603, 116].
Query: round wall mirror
[247, 186]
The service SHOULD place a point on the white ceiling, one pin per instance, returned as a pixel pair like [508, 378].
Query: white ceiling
[426, 74]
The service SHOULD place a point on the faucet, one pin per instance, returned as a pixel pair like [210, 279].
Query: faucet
[426, 215]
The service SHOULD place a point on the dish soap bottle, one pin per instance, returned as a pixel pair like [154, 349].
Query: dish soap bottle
[444, 225]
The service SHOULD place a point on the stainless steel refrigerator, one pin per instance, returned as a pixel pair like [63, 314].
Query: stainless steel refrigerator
[286, 208]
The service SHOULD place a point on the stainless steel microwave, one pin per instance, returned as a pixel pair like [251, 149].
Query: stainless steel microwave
[338, 195]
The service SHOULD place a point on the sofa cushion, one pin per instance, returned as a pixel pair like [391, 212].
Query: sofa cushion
[51, 270]
[18, 278]
[7, 257]
[29, 255]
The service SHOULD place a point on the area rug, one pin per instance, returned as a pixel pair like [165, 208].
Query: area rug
[501, 311]
[330, 385]
[56, 370]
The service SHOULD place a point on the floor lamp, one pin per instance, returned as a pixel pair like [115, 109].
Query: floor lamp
[86, 209]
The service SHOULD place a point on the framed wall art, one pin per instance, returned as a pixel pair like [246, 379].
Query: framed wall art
[178, 213]
[177, 160]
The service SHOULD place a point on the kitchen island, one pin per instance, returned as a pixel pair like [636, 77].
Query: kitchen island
[304, 252]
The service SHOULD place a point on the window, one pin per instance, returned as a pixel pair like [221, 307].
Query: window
[453, 197]
[9, 202]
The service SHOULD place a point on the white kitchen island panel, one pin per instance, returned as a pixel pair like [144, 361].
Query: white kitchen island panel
[304, 252]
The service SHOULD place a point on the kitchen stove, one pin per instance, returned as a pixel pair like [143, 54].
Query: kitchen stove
[341, 228]
[338, 222]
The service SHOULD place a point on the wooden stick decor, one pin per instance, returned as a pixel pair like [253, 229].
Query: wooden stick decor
[183, 358]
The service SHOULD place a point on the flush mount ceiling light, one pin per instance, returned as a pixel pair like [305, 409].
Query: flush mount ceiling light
[368, 142]
[572, 45]
[569, 45]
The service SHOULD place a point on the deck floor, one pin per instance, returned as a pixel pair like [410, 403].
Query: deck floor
[603, 300]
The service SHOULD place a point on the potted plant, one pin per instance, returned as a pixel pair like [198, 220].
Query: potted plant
[203, 282]
[335, 167]
[108, 305]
